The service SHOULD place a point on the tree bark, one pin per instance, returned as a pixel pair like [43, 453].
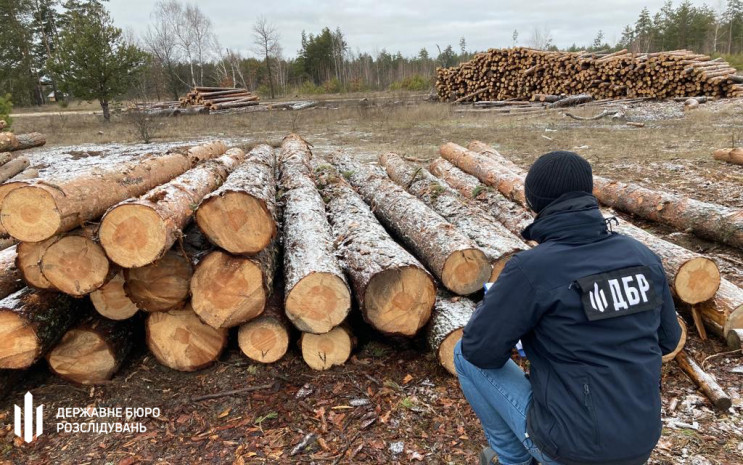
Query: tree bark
[393, 290]
[706, 383]
[160, 286]
[240, 216]
[450, 316]
[31, 323]
[75, 265]
[180, 340]
[13, 168]
[265, 339]
[93, 351]
[693, 278]
[707, 220]
[228, 290]
[317, 298]
[324, 351]
[10, 277]
[111, 301]
[453, 257]
[498, 243]
[514, 217]
[10, 142]
[137, 232]
[35, 211]
[5, 157]
[106, 111]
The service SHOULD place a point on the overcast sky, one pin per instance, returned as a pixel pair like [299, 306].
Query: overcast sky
[407, 26]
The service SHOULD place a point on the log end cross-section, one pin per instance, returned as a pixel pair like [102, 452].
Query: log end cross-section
[111, 301]
[323, 351]
[161, 286]
[38, 217]
[75, 265]
[136, 231]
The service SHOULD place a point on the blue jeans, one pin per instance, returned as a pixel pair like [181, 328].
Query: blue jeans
[500, 398]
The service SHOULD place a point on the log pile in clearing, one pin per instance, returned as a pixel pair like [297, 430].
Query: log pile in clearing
[453, 257]
[137, 232]
[35, 211]
[521, 73]
[317, 294]
[219, 98]
[734, 155]
[10, 142]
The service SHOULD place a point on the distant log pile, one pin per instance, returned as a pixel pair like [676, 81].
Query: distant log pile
[526, 74]
[219, 98]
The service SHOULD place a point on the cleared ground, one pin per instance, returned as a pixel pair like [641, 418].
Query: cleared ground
[391, 392]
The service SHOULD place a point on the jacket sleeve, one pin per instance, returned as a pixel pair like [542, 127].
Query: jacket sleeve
[506, 313]
[669, 331]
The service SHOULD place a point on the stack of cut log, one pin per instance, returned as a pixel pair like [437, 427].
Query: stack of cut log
[13, 166]
[525, 74]
[219, 98]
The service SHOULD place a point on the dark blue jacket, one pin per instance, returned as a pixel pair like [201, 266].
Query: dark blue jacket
[595, 314]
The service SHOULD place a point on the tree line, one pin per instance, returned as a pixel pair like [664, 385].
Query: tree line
[53, 49]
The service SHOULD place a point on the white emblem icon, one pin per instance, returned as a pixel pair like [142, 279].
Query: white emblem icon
[27, 431]
[598, 298]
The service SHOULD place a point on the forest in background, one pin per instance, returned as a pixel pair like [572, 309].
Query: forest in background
[180, 49]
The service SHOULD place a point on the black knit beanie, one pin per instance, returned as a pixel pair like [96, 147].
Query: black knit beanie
[555, 174]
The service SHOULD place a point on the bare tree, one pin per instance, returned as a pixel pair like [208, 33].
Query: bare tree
[266, 40]
[200, 30]
[541, 38]
[161, 41]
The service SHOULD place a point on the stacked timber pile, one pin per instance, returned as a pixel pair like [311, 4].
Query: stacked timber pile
[526, 74]
[13, 165]
[219, 98]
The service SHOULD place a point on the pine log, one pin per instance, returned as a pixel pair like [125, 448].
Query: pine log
[393, 290]
[10, 142]
[240, 216]
[734, 339]
[734, 155]
[453, 257]
[4, 191]
[571, 101]
[12, 168]
[450, 316]
[31, 323]
[723, 313]
[111, 301]
[228, 290]
[265, 339]
[317, 298]
[180, 340]
[498, 243]
[28, 262]
[28, 173]
[485, 169]
[75, 265]
[324, 351]
[707, 220]
[37, 210]
[514, 217]
[139, 231]
[160, 286]
[682, 341]
[704, 381]
[693, 278]
[93, 351]
[10, 278]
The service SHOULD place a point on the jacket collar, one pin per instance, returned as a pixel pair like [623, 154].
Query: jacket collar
[572, 218]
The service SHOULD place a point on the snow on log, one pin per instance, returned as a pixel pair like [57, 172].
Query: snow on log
[37, 210]
[453, 257]
[240, 216]
[180, 340]
[493, 238]
[393, 290]
[450, 316]
[230, 290]
[317, 297]
[509, 214]
[137, 232]
[10, 142]
[31, 323]
[111, 301]
[323, 351]
[160, 286]
[92, 351]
